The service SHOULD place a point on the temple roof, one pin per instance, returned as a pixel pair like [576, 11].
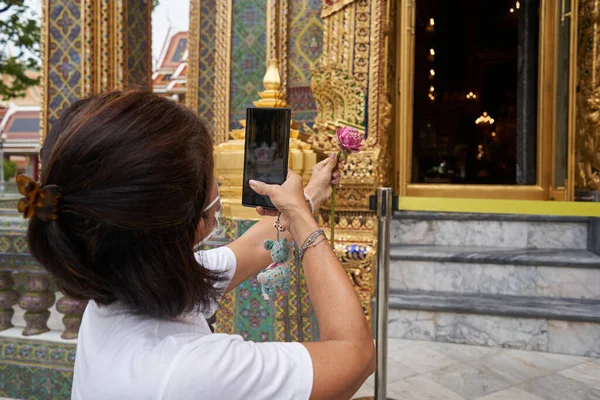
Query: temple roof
[33, 95]
[169, 76]
[22, 127]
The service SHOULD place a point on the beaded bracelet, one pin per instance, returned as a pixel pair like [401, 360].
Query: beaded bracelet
[311, 241]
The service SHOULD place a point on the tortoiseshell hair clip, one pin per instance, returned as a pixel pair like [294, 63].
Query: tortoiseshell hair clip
[41, 201]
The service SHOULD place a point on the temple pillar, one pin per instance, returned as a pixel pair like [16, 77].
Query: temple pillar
[88, 47]
[92, 46]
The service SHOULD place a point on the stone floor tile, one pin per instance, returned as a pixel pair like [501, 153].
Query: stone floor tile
[558, 387]
[364, 391]
[420, 388]
[397, 371]
[467, 381]
[395, 344]
[513, 367]
[461, 352]
[588, 373]
[370, 381]
[422, 359]
[551, 361]
[510, 394]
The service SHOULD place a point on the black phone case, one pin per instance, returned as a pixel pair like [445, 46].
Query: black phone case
[264, 201]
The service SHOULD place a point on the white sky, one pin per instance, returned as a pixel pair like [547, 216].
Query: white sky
[169, 12]
[175, 13]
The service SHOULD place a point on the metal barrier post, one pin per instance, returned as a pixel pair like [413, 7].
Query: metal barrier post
[384, 218]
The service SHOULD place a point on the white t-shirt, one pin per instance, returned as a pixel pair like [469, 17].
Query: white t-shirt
[123, 356]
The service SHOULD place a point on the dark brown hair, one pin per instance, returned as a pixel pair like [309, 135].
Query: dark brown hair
[136, 171]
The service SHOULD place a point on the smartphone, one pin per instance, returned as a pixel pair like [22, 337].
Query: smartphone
[266, 151]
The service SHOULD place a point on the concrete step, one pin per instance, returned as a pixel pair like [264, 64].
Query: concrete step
[513, 306]
[564, 326]
[551, 273]
[490, 230]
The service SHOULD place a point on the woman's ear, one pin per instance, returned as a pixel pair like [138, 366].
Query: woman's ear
[200, 230]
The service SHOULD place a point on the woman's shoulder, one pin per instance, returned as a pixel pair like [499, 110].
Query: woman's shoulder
[218, 259]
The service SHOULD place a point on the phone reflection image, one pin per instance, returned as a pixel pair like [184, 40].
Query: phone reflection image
[266, 151]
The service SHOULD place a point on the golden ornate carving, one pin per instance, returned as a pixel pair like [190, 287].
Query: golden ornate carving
[119, 29]
[44, 74]
[283, 40]
[350, 22]
[191, 97]
[354, 67]
[105, 52]
[377, 66]
[587, 146]
[340, 100]
[89, 26]
[361, 43]
[330, 7]
[222, 77]
[358, 265]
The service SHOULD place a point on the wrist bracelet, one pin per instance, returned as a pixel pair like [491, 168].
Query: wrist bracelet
[310, 203]
[311, 241]
[322, 239]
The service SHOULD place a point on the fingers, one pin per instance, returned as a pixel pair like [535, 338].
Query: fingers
[331, 163]
[294, 178]
[261, 187]
[323, 163]
[336, 177]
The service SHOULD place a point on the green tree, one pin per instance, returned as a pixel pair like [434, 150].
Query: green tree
[10, 168]
[20, 30]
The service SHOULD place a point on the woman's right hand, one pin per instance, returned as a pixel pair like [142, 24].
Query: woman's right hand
[288, 199]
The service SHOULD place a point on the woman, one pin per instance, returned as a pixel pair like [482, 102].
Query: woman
[127, 192]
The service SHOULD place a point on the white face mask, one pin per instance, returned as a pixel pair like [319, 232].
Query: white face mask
[216, 224]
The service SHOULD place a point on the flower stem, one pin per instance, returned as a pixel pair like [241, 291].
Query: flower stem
[332, 213]
[332, 218]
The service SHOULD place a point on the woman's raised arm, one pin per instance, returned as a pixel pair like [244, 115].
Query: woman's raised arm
[345, 356]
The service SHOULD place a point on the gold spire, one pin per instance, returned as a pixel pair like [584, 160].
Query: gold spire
[272, 96]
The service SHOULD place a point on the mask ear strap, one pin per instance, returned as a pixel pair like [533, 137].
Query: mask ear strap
[212, 203]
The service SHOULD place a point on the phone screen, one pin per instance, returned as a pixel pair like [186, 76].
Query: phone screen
[266, 151]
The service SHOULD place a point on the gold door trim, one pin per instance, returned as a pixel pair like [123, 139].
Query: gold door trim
[570, 184]
[404, 121]
[494, 206]
[513, 192]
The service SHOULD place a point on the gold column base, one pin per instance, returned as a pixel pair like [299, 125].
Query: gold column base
[270, 98]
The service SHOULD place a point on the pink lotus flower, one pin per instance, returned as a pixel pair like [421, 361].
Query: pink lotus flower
[349, 139]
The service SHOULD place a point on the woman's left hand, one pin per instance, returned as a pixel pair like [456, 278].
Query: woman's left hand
[324, 174]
